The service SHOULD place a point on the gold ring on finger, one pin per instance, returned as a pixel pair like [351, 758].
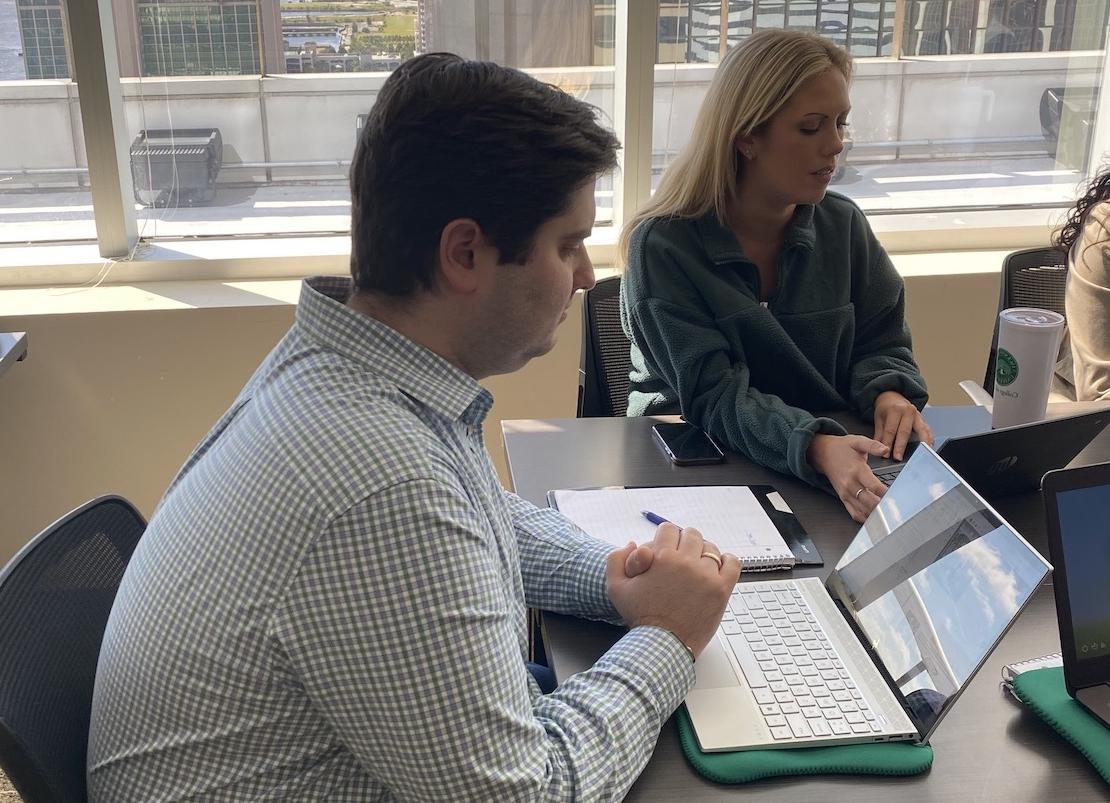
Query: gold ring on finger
[715, 558]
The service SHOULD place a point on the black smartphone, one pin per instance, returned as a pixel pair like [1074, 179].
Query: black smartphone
[686, 445]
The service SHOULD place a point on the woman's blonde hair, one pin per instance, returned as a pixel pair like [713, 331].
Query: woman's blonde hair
[754, 80]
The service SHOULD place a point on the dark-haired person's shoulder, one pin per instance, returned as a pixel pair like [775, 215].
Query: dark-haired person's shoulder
[1100, 214]
[1095, 231]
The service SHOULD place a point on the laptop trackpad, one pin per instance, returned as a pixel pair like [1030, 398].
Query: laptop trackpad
[713, 668]
[725, 719]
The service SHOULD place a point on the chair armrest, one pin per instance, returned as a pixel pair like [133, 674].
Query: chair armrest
[976, 393]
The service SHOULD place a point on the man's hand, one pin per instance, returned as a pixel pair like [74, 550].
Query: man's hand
[639, 560]
[843, 459]
[895, 419]
[681, 590]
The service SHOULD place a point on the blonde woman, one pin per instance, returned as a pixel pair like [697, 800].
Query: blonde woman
[753, 297]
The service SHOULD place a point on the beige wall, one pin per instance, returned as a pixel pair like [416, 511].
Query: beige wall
[952, 318]
[112, 402]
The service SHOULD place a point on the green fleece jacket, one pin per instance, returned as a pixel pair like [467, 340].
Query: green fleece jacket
[833, 337]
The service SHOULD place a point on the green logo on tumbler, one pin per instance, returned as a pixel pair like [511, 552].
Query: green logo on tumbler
[1006, 370]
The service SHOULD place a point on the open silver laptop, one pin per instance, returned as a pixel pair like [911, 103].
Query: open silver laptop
[924, 592]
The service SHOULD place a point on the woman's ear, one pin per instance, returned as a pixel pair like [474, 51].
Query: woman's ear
[745, 143]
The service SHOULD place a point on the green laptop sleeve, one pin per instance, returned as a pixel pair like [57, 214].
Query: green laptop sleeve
[743, 766]
[1043, 690]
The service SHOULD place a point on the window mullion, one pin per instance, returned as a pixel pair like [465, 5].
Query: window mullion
[1100, 136]
[634, 85]
[900, 8]
[96, 71]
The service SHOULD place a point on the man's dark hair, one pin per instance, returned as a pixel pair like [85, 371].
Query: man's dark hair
[449, 138]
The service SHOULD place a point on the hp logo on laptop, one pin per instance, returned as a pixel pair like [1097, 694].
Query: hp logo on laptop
[1005, 464]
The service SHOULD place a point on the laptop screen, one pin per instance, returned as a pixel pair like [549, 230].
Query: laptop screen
[933, 579]
[1083, 513]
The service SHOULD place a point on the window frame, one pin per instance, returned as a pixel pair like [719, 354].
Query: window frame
[636, 23]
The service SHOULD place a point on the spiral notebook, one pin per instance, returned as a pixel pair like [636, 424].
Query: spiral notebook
[728, 515]
[1011, 671]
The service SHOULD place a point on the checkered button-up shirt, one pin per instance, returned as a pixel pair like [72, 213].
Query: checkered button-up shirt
[329, 603]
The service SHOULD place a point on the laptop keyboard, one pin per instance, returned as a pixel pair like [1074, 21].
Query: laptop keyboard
[887, 476]
[794, 671]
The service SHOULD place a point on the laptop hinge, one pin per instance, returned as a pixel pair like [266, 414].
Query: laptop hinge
[861, 637]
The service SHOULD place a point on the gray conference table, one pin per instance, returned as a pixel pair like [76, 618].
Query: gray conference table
[988, 748]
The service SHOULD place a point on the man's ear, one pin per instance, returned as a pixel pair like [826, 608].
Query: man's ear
[463, 252]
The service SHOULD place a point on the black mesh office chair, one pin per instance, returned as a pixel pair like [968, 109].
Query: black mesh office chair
[603, 373]
[55, 596]
[1034, 277]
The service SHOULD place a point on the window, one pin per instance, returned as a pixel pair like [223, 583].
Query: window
[1013, 131]
[208, 38]
[240, 116]
[673, 29]
[43, 180]
[42, 30]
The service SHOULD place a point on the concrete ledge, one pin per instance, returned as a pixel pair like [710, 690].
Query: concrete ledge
[111, 295]
[80, 266]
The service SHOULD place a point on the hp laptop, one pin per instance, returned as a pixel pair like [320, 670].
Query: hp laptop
[880, 652]
[1013, 459]
[1077, 503]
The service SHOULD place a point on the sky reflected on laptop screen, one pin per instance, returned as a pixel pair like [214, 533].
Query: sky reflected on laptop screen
[934, 578]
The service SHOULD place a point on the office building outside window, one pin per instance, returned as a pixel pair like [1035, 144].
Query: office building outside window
[522, 33]
[943, 27]
[158, 37]
[42, 30]
[190, 38]
[700, 31]
[198, 37]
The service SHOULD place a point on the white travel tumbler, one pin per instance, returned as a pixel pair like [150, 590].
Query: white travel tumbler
[1028, 342]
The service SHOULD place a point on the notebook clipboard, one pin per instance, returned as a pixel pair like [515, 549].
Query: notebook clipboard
[777, 511]
[1011, 671]
[791, 530]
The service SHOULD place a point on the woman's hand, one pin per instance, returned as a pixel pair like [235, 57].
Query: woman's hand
[895, 419]
[843, 460]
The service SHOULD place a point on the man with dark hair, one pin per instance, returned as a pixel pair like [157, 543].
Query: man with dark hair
[329, 602]
[456, 153]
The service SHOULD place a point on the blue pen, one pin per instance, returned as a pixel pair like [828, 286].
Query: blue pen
[654, 518]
